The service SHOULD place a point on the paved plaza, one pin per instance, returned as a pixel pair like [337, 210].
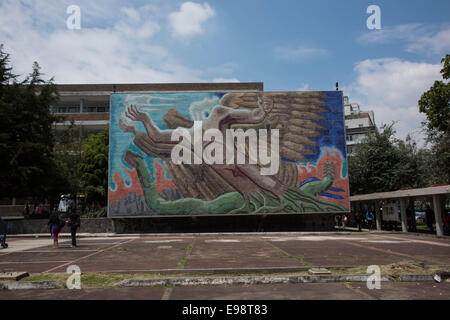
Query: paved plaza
[259, 253]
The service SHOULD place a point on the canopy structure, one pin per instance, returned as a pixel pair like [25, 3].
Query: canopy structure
[437, 193]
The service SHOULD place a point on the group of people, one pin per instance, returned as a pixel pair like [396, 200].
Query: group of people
[37, 210]
[341, 220]
[56, 223]
[369, 217]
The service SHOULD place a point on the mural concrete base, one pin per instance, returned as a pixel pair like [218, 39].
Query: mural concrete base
[200, 224]
[243, 223]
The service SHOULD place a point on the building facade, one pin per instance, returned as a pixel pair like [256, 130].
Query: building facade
[87, 105]
[358, 123]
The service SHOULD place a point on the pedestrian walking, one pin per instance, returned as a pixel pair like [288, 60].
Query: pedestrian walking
[74, 223]
[56, 224]
[344, 221]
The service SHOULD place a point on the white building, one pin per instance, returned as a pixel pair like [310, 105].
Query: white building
[357, 123]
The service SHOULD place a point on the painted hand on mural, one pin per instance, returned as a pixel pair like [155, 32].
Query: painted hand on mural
[153, 133]
[134, 114]
[265, 103]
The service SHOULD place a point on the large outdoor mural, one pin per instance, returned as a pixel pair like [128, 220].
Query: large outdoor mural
[218, 153]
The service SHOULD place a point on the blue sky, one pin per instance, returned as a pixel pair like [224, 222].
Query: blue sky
[288, 45]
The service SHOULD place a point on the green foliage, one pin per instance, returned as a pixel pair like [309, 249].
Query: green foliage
[100, 213]
[435, 103]
[94, 167]
[26, 136]
[384, 163]
[67, 156]
[440, 156]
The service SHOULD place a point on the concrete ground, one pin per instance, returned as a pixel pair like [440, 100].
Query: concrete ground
[250, 253]
[304, 291]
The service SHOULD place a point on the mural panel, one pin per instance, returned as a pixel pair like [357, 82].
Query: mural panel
[218, 153]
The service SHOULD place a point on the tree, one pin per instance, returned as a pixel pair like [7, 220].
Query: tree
[94, 167]
[382, 162]
[67, 156]
[26, 136]
[435, 103]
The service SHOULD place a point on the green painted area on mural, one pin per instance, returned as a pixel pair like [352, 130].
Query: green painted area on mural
[302, 199]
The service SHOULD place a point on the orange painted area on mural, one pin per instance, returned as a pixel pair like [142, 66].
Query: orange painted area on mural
[122, 189]
[161, 182]
[309, 171]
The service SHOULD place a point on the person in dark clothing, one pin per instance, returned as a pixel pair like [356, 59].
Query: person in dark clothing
[26, 210]
[429, 215]
[359, 218]
[74, 223]
[4, 231]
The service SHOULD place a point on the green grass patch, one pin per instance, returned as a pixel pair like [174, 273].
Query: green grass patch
[92, 280]
[88, 280]
[186, 256]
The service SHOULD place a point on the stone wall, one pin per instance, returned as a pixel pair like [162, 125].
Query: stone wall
[100, 225]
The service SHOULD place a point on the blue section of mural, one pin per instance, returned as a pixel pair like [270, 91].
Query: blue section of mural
[333, 135]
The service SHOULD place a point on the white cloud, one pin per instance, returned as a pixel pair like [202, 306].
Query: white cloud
[416, 37]
[299, 53]
[189, 19]
[391, 88]
[120, 50]
[438, 43]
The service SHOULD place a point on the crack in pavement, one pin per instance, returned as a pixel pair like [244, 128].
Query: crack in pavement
[187, 255]
[289, 255]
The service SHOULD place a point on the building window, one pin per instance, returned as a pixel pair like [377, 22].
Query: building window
[74, 110]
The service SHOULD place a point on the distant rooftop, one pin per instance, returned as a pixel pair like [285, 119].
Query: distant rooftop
[124, 87]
